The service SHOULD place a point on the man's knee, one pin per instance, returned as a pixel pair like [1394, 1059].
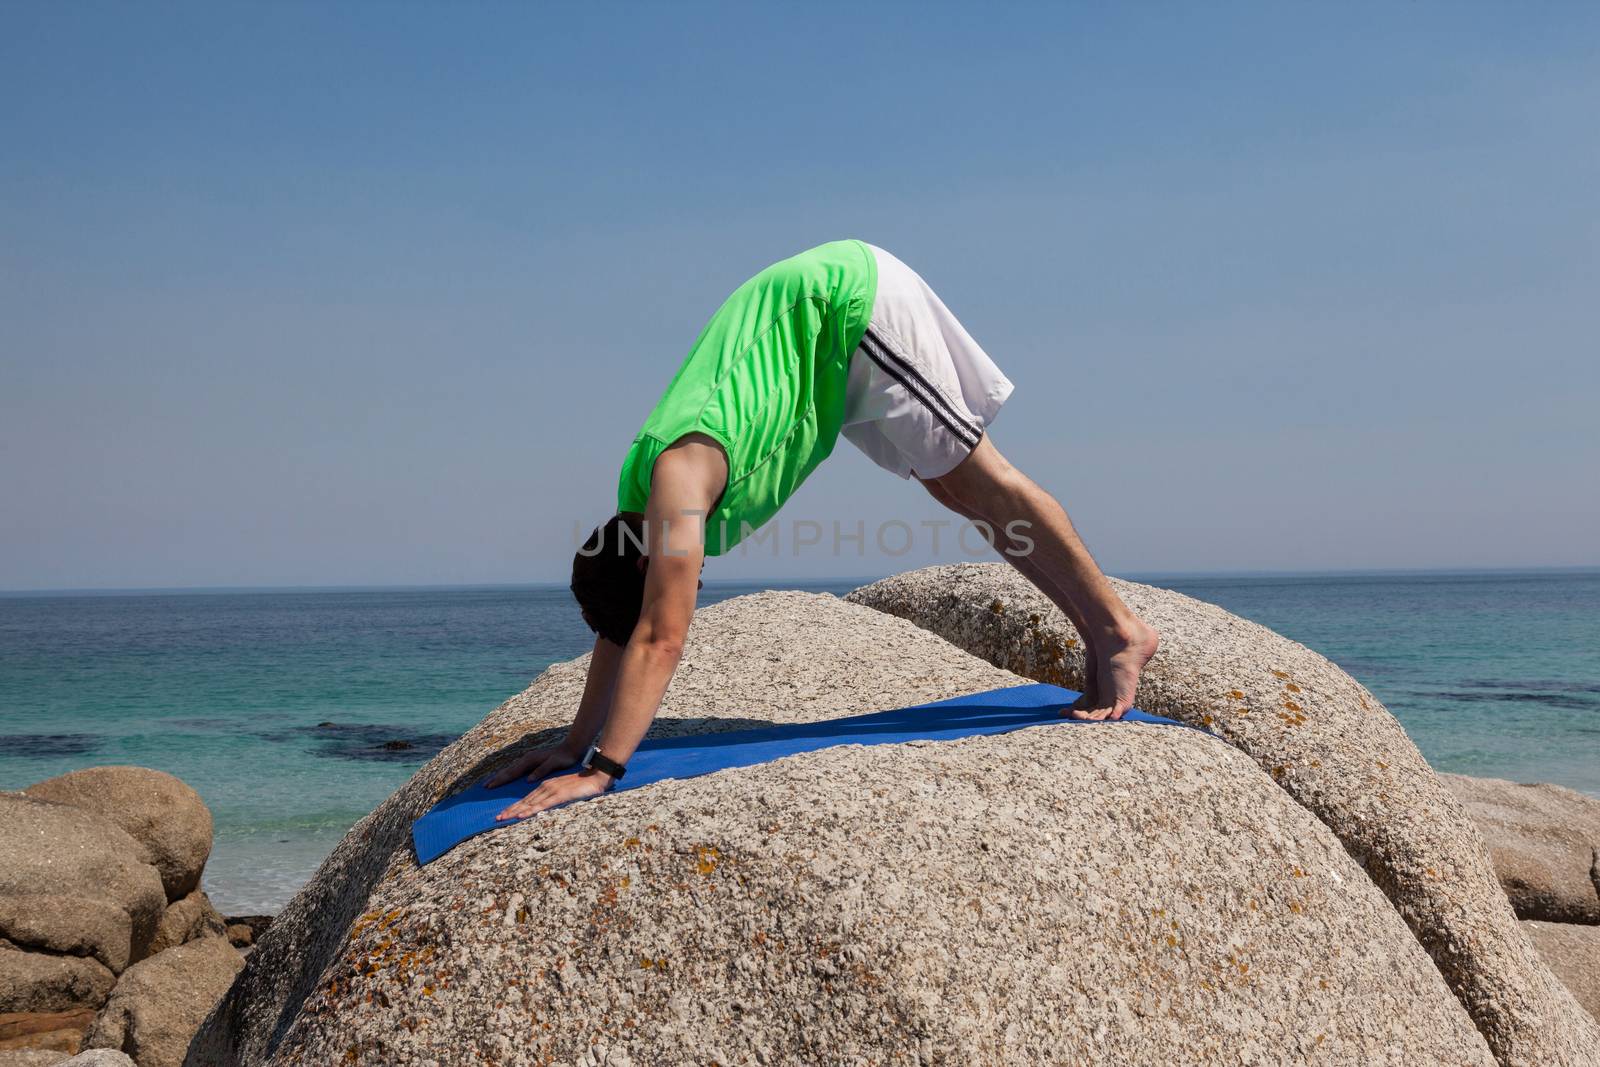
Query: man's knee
[937, 490]
[982, 480]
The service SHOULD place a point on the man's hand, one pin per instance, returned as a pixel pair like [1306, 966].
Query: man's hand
[538, 763]
[558, 790]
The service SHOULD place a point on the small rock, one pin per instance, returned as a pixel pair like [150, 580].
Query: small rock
[100, 1057]
[186, 919]
[257, 925]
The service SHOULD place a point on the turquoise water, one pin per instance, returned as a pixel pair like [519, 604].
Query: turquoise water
[1496, 675]
[294, 713]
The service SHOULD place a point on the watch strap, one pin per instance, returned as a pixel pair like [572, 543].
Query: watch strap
[601, 762]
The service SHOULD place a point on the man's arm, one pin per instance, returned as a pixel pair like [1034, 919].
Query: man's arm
[686, 480]
[656, 645]
[592, 711]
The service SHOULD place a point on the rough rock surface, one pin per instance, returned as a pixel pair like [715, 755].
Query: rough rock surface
[47, 982]
[1325, 740]
[63, 1042]
[98, 1057]
[159, 1003]
[1545, 844]
[52, 1030]
[160, 811]
[30, 1057]
[72, 882]
[750, 660]
[187, 919]
[842, 904]
[1573, 952]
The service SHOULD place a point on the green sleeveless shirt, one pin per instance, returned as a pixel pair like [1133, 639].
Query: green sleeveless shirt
[766, 380]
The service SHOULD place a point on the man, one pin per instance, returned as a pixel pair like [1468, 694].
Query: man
[842, 339]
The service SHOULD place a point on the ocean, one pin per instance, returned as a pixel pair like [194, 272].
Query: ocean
[296, 712]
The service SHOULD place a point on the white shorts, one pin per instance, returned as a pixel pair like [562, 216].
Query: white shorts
[920, 391]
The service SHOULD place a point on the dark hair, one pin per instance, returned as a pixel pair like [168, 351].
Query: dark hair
[607, 579]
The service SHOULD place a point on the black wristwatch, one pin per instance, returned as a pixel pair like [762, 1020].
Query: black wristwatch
[596, 760]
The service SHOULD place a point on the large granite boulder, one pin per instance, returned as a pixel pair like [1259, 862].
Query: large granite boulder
[1573, 952]
[158, 810]
[1544, 841]
[1048, 896]
[748, 663]
[73, 884]
[1321, 736]
[1066, 893]
[159, 1003]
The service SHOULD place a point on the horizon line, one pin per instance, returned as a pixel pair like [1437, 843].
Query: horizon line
[785, 582]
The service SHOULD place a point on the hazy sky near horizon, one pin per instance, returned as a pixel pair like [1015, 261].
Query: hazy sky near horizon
[296, 294]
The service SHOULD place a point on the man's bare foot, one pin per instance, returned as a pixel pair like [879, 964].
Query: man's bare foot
[1119, 658]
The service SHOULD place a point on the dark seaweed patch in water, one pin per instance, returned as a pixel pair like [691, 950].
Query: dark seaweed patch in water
[1549, 700]
[1548, 686]
[47, 745]
[371, 741]
[201, 722]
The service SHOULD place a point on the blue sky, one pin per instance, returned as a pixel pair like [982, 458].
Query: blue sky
[300, 295]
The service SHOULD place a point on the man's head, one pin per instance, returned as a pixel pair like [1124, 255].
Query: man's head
[608, 577]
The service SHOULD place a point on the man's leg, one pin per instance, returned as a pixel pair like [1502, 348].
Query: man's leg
[986, 486]
[1024, 562]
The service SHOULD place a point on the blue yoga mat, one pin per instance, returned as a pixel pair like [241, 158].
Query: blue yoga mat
[472, 811]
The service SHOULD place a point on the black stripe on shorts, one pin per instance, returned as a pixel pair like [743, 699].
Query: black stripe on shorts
[903, 371]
